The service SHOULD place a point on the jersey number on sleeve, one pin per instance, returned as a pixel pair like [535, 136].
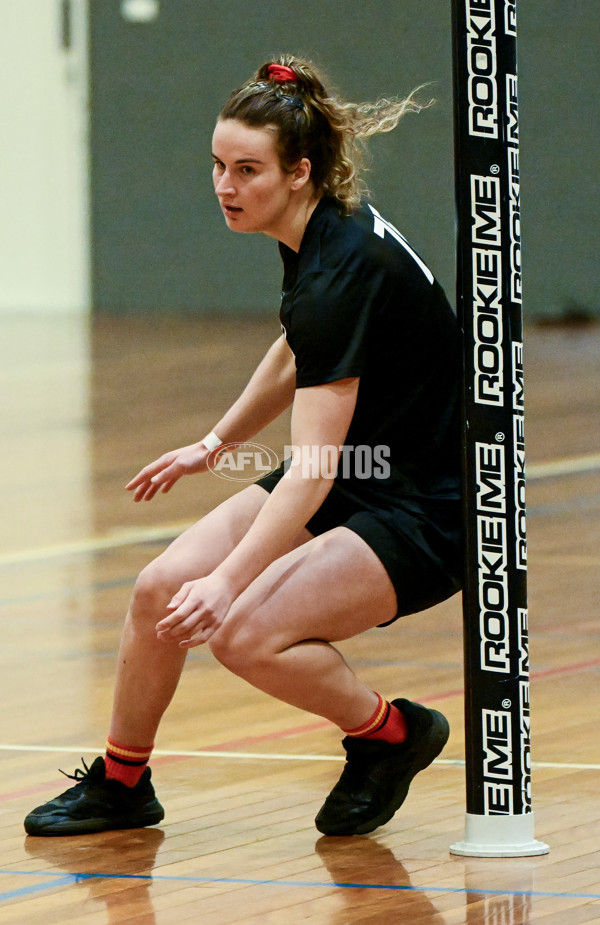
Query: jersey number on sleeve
[381, 225]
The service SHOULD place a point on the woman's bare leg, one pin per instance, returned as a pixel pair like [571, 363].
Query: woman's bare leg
[148, 669]
[278, 633]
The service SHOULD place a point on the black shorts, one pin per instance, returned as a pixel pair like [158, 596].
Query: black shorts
[417, 539]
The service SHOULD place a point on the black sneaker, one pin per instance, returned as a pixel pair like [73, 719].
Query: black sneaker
[96, 804]
[377, 774]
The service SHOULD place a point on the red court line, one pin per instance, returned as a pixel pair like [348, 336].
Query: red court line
[566, 669]
[323, 724]
[309, 727]
[31, 791]
[295, 730]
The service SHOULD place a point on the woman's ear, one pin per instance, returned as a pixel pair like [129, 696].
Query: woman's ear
[301, 174]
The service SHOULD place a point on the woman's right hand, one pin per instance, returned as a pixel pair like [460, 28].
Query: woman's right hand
[162, 474]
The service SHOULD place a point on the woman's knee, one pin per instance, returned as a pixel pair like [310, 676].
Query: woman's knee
[236, 647]
[153, 589]
[226, 647]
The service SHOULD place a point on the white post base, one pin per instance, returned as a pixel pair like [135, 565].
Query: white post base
[499, 837]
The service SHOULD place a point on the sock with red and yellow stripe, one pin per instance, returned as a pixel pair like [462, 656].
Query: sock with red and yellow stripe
[126, 763]
[386, 723]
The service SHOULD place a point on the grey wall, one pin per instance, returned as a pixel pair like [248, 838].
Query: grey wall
[159, 242]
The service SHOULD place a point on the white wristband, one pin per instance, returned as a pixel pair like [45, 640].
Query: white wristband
[212, 442]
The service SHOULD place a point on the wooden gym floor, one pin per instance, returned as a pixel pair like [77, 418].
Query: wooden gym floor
[241, 776]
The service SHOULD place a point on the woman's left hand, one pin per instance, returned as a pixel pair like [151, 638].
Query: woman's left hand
[197, 611]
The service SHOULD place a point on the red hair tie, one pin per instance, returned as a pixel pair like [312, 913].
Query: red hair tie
[281, 73]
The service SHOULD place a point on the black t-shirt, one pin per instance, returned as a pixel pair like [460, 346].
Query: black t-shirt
[358, 301]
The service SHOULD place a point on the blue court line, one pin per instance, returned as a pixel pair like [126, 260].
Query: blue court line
[69, 879]
[61, 880]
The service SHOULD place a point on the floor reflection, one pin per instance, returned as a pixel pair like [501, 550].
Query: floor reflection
[108, 865]
[497, 908]
[366, 863]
